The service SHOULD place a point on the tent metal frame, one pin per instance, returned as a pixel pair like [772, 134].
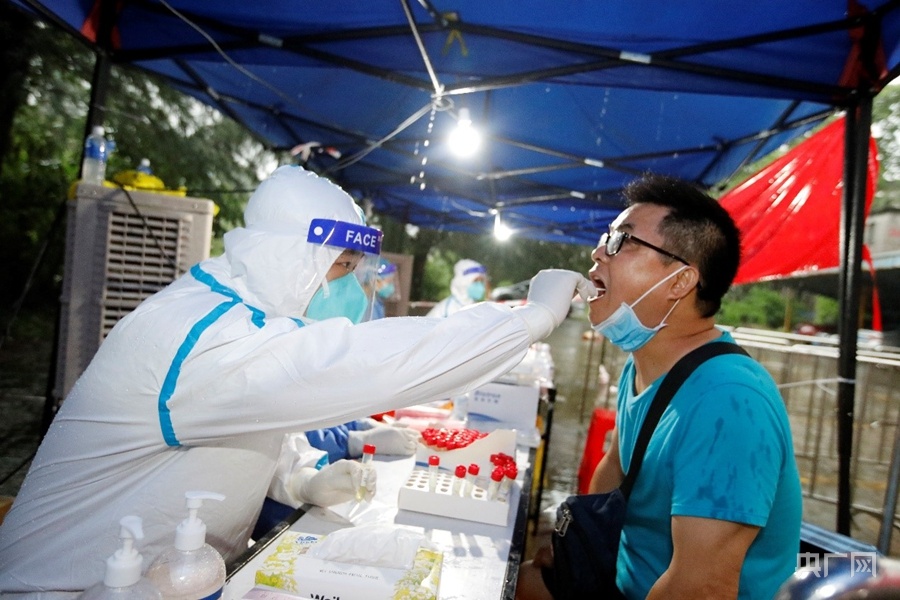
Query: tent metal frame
[587, 58]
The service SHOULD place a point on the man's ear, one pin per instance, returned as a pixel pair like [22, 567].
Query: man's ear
[684, 282]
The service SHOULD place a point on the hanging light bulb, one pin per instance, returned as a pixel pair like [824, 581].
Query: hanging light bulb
[465, 139]
[501, 231]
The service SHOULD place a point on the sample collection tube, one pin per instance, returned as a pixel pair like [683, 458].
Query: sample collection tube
[433, 462]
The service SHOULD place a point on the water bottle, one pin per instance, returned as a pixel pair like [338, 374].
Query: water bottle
[144, 167]
[96, 150]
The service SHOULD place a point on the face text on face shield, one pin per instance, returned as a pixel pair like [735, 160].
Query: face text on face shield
[361, 238]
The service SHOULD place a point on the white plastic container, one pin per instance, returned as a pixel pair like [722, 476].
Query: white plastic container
[96, 151]
[191, 569]
[123, 580]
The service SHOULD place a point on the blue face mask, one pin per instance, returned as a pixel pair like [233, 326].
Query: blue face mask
[346, 298]
[625, 330]
[386, 291]
[476, 291]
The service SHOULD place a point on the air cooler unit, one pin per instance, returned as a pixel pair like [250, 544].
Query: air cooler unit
[119, 251]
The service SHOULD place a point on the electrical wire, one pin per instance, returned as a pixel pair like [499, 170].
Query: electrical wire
[354, 158]
[152, 233]
[228, 59]
[439, 101]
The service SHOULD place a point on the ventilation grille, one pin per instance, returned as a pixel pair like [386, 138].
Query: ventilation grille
[119, 251]
[141, 260]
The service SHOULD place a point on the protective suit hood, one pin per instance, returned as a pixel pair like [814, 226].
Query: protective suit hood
[465, 272]
[272, 265]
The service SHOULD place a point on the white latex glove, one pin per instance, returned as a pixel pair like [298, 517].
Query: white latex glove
[549, 299]
[399, 441]
[334, 483]
[367, 423]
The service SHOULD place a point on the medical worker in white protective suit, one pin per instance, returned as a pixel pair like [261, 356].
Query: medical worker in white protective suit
[197, 387]
[468, 286]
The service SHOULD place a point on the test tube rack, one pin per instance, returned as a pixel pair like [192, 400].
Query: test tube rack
[476, 506]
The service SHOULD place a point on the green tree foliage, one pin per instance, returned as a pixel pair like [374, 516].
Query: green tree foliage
[189, 145]
[886, 130]
[826, 312]
[758, 305]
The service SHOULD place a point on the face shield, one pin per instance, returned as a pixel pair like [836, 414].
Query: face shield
[353, 250]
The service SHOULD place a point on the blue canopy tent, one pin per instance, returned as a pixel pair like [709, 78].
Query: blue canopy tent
[574, 99]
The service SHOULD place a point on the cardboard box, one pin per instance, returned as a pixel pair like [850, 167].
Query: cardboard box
[504, 405]
[289, 568]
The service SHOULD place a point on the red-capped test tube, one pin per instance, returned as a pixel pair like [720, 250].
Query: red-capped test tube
[510, 473]
[367, 456]
[434, 462]
[497, 476]
[471, 476]
[459, 482]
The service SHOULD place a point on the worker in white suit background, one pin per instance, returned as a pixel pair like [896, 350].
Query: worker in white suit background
[468, 286]
[197, 387]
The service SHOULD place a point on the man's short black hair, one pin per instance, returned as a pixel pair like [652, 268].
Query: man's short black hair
[698, 229]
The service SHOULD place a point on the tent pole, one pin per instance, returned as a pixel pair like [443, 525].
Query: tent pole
[856, 160]
[102, 65]
[95, 116]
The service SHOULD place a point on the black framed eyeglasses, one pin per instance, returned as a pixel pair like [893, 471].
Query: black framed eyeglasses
[614, 239]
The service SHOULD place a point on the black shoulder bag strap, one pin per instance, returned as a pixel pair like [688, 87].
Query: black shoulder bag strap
[673, 380]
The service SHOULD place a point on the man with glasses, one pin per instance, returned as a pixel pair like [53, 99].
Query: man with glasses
[715, 510]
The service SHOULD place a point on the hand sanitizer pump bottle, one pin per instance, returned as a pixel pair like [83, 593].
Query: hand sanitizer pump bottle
[191, 569]
[123, 580]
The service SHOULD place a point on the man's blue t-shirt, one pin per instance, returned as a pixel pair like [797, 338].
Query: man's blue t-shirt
[722, 450]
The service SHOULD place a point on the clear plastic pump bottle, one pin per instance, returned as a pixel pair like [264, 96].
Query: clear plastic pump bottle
[123, 580]
[96, 151]
[191, 569]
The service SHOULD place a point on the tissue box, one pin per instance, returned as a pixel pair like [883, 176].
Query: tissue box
[504, 405]
[264, 592]
[289, 568]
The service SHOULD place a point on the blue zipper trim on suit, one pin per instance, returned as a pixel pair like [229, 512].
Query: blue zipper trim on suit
[168, 387]
[259, 317]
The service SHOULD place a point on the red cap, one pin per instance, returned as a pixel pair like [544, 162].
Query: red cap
[434, 460]
[497, 474]
[473, 469]
[460, 470]
[368, 449]
[512, 471]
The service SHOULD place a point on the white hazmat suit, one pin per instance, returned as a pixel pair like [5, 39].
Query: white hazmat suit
[465, 273]
[196, 388]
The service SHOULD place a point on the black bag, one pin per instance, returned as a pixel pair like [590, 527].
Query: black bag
[588, 527]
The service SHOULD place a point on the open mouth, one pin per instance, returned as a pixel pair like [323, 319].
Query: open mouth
[600, 291]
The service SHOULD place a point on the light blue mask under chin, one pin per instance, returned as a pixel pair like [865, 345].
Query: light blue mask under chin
[476, 291]
[624, 329]
[346, 298]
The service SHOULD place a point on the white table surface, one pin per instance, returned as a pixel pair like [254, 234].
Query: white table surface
[475, 554]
